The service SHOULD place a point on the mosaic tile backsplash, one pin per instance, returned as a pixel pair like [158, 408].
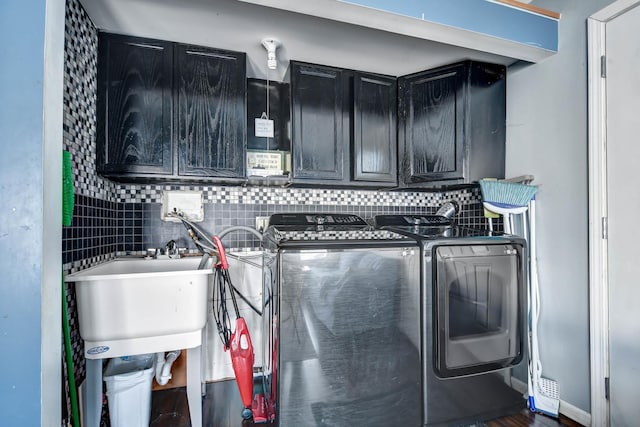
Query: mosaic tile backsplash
[132, 224]
[116, 219]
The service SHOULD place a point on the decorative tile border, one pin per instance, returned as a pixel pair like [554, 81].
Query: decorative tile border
[83, 264]
[340, 235]
[132, 193]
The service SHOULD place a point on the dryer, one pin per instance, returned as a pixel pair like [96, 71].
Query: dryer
[473, 317]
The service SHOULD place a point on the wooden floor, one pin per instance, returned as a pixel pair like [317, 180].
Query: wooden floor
[170, 409]
[528, 418]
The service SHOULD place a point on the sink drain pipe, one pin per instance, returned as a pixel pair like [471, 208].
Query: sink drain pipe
[163, 366]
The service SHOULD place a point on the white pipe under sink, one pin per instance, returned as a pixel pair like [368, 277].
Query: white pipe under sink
[163, 366]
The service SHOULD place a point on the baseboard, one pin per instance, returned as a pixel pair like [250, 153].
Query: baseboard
[575, 413]
[567, 409]
[518, 385]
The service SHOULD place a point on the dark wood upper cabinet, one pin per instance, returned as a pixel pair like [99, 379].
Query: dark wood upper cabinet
[451, 124]
[169, 111]
[320, 132]
[433, 125]
[343, 126]
[374, 128]
[134, 106]
[210, 107]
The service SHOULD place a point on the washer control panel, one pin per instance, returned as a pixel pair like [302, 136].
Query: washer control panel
[312, 219]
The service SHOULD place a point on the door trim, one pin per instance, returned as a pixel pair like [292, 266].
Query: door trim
[598, 256]
[598, 284]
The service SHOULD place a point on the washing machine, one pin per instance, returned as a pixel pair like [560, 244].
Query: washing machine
[341, 323]
[473, 318]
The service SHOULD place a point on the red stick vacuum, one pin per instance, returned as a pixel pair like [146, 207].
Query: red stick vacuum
[239, 343]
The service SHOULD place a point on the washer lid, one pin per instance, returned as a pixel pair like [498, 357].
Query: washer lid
[411, 220]
[429, 227]
[331, 229]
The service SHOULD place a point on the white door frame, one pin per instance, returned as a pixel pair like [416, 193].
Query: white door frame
[598, 261]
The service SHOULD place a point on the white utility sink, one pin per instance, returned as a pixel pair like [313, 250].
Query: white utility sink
[132, 306]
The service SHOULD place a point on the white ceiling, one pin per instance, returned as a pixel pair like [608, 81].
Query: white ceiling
[240, 26]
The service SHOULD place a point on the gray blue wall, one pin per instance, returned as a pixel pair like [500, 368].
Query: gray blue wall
[30, 212]
[547, 137]
[21, 228]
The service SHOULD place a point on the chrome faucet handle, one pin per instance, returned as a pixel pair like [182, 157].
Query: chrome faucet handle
[449, 209]
[172, 249]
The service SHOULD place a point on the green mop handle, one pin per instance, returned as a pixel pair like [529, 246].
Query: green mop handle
[67, 349]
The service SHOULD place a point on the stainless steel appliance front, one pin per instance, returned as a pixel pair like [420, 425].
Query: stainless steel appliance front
[345, 335]
[473, 318]
[474, 323]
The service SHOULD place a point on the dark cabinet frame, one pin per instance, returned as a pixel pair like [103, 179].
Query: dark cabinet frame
[134, 127]
[169, 111]
[452, 124]
[279, 111]
[374, 139]
[199, 113]
[209, 105]
[319, 123]
[343, 127]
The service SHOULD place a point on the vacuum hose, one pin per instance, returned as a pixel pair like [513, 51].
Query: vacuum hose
[240, 228]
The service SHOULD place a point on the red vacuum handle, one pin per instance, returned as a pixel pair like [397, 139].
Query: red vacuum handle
[242, 358]
[221, 254]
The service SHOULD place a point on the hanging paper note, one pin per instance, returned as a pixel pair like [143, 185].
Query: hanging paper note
[264, 127]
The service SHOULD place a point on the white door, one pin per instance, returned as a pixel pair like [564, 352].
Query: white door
[622, 81]
[614, 255]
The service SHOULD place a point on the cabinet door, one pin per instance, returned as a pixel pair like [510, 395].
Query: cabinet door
[134, 106]
[210, 89]
[374, 128]
[318, 122]
[431, 131]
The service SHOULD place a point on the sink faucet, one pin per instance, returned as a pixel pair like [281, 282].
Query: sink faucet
[171, 249]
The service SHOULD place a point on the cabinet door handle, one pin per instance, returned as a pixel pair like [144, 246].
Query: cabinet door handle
[146, 46]
[211, 55]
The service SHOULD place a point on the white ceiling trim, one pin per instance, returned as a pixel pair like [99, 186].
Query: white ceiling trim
[408, 26]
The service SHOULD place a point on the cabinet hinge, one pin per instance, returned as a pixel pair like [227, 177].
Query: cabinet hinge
[606, 388]
[605, 228]
[603, 66]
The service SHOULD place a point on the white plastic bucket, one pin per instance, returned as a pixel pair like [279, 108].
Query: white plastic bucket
[129, 390]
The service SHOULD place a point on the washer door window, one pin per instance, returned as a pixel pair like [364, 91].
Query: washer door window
[478, 305]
